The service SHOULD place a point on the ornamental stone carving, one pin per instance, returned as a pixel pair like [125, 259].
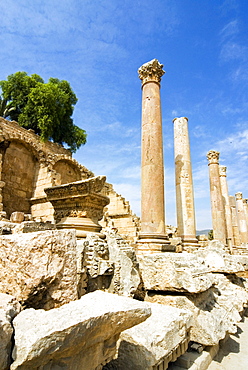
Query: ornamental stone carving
[151, 71]
[213, 157]
[238, 196]
[222, 171]
[79, 204]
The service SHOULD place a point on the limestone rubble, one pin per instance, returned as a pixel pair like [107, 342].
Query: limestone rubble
[174, 272]
[168, 327]
[78, 335]
[9, 308]
[39, 269]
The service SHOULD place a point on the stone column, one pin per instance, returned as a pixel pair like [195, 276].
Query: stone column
[235, 227]
[217, 206]
[186, 225]
[246, 211]
[228, 216]
[241, 217]
[152, 166]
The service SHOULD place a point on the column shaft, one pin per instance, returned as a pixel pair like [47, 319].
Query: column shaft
[217, 206]
[241, 217]
[184, 183]
[235, 227]
[152, 166]
[228, 216]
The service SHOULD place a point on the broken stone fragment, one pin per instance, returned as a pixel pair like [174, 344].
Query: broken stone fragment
[9, 308]
[215, 257]
[175, 272]
[163, 335]
[78, 335]
[216, 311]
[39, 269]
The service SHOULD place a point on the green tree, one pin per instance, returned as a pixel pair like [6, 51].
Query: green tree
[44, 107]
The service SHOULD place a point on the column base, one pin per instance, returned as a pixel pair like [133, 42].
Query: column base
[189, 240]
[154, 243]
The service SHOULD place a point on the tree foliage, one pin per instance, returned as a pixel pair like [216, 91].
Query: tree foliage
[44, 107]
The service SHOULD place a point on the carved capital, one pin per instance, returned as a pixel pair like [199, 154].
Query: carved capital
[222, 171]
[151, 71]
[239, 195]
[213, 157]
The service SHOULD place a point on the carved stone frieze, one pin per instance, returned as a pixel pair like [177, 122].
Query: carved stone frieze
[76, 189]
[213, 157]
[151, 71]
[96, 254]
[79, 204]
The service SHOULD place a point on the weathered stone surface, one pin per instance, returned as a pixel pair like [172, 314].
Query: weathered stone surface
[186, 226]
[39, 269]
[216, 311]
[110, 264]
[218, 260]
[32, 226]
[174, 272]
[126, 277]
[9, 308]
[148, 344]
[79, 335]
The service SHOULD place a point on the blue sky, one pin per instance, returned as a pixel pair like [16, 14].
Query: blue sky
[99, 45]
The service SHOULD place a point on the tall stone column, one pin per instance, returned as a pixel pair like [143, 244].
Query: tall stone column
[235, 227]
[228, 216]
[241, 217]
[152, 164]
[217, 206]
[245, 203]
[184, 183]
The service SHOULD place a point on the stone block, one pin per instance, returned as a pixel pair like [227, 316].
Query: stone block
[9, 308]
[175, 272]
[216, 311]
[39, 269]
[78, 335]
[215, 257]
[149, 344]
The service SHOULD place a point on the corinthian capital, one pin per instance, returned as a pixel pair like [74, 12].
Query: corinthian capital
[222, 171]
[238, 195]
[151, 71]
[213, 157]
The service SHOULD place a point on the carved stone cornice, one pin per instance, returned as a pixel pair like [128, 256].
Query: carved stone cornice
[238, 196]
[80, 204]
[222, 171]
[213, 157]
[76, 189]
[151, 71]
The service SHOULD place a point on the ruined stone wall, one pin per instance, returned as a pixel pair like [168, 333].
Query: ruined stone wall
[18, 173]
[119, 214]
[28, 166]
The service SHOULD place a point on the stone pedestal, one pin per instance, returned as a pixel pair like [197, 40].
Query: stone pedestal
[217, 206]
[79, 205]
[235, 227]
[184, 183]
[152, 166]
[228, 216]
[241, 217]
